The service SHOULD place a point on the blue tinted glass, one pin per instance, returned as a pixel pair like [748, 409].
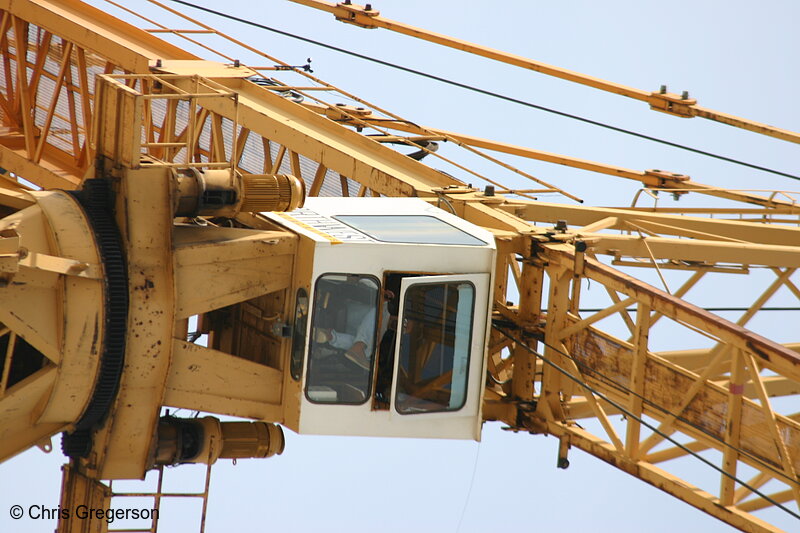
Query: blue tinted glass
[411, 229]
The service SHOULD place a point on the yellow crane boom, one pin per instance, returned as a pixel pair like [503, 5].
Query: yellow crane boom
[136, 173]
[675, 104]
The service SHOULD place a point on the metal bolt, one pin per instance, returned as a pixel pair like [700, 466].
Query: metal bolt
[236, 63]
[158, 63]
[685, 95]
[663, 89]
[488, 190]
[368, 7]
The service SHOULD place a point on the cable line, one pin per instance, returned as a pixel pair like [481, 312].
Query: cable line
[490, 93]
[711, 309]
[653, 428]
[622, 388]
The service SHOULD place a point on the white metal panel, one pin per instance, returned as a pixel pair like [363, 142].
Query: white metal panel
[336, 251]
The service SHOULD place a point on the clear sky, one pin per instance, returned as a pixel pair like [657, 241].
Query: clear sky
[734, 56]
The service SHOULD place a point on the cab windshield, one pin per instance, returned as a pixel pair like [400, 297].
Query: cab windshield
[343, 333]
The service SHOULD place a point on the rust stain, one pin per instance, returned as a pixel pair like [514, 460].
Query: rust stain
[95, 336]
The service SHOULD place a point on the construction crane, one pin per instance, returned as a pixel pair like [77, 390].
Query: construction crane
[152, 199]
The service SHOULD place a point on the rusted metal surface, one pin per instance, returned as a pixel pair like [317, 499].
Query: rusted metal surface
[717, 397]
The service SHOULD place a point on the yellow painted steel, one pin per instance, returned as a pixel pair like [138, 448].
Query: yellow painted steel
[151, 111]
[680, 105]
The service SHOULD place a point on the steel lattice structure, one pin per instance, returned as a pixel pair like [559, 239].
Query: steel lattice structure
[83, 94]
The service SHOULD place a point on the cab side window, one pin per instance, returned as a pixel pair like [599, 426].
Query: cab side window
[299, 333]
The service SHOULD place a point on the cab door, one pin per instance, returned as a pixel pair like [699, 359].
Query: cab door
[437, 385]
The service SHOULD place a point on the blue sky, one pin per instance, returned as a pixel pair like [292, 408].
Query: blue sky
[733, 56]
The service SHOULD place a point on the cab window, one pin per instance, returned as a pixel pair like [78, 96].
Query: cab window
[410, 229]
[434, 347]
[299, 333]
[342, 344]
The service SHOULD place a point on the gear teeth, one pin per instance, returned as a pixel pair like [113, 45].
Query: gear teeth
[96, 199]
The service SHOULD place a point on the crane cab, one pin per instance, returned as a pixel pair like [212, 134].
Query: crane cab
[391, 311]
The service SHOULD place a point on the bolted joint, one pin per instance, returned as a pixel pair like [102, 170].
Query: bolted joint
[674, 104]
[662, 177]
[355, 14]
[11, 253]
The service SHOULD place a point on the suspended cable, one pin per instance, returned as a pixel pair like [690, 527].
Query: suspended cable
[712, 309]
[679, 417]
[622, 388]
[646, 424]
[489, 93]
[469, 492]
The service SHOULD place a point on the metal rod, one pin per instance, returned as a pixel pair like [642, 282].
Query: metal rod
[12, 340]
[208, 482]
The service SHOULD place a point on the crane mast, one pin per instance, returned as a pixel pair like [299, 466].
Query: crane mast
[147, 192]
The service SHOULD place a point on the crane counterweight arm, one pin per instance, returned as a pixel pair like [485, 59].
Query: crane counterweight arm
[674, 104]
[176, 271]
